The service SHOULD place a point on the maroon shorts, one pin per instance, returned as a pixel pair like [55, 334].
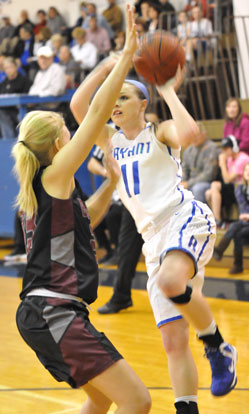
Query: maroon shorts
[64, 340]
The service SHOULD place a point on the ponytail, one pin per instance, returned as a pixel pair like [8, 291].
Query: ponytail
[38, 131]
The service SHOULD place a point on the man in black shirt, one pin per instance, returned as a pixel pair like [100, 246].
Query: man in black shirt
[13, 83]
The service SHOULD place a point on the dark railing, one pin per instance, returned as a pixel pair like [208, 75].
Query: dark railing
[216, 69]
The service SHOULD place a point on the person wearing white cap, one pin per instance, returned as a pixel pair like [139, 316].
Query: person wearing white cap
[51, 78]
[231, 162]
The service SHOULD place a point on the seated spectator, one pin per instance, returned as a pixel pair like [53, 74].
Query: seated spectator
[83, 14]
[2, 73]
[56, 21]
[56, 42]
[200, 30]
[114, 16]
[43, 38]
[51, 78]
[13, 83]
[183, 28]
[24, 19]
[71, 67]
[7, 29]
[141, 26]
[167, 18]
[206, 6]
[98, 36]
[119, 41]
[41, 18]
[154, 11]
[85, 53]
[238, 231]
[24, 50]
[237, 123]
[142, 9]
[231, 162]
[92, 9]
[200, 165]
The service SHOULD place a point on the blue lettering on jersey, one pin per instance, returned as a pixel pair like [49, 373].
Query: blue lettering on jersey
[138, 149]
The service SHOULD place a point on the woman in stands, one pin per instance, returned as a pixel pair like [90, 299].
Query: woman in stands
[237, 123]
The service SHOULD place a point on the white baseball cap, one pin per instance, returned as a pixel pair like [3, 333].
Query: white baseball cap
[45, 51]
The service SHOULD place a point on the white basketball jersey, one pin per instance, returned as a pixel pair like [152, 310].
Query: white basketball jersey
[151, 175]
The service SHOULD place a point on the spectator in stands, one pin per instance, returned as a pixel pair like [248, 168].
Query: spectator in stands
[92, 9]
[13, 83]
[41, 18]
[154, 11]
[142, 10]
[7, 29]
[140, 26]
[24, 49]
[43, 38]
[206, 6]
[200, 165]
[231, 162]
[85, 53]
[237, 123]
[183, 28]
[51, 78]
[71, 67]
[56, 21]
[114, 16]
[24, 19]
[83, 14]
[167, 18]
[200, 30]
[98, 36]
[119, 41]
[238, 231]
[2, 73]
[57, 40]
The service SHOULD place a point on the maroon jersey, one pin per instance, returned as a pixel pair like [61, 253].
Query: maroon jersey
[60, 246]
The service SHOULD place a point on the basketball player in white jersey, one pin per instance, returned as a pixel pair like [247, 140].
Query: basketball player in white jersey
[179, 232]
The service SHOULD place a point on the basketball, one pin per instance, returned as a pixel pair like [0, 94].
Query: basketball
[158, 57]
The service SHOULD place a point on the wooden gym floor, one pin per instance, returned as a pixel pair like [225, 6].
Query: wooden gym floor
[26, 387]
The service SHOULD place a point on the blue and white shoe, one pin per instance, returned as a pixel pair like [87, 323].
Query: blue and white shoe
[223, 365]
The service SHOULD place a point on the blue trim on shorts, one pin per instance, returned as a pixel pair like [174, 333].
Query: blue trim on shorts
[163, 254]
[175, 318]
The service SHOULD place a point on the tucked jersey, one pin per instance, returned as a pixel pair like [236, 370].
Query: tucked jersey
[151, 175]
[60, 246]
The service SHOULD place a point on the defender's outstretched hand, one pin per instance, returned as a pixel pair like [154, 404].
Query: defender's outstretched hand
[131, 40]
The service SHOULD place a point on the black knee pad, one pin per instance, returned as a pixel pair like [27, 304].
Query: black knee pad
[184, 298]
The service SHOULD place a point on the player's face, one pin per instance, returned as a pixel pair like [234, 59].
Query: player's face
[127, 106]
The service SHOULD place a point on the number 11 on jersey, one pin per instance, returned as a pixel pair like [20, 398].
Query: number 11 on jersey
[135, 175]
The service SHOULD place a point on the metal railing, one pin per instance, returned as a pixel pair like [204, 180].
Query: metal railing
[217, 67]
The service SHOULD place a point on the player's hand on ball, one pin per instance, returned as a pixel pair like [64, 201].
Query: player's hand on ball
[174, 82]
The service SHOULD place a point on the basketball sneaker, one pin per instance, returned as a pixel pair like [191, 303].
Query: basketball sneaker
[223, 365]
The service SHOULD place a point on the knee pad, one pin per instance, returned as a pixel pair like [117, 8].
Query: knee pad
[184, 298]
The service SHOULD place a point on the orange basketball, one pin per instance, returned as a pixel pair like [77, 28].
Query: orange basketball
[158, 57]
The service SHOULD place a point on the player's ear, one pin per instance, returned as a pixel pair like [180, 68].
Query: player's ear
[144, 103]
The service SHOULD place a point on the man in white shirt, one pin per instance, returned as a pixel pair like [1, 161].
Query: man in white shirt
[51, 78]
[85, 53]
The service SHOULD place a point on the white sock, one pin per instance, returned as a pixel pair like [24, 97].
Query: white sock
[210, 330]
[187, 399]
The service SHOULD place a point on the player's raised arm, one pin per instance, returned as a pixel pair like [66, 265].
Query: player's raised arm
[71, 156]
[183, 129]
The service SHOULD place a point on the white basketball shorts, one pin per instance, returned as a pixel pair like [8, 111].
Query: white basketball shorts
[190, 229]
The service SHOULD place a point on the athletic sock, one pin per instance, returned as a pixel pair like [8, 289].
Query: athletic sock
[212, 340]
[183, 407]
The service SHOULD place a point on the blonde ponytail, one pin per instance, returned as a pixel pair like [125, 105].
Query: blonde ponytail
[38, 131]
